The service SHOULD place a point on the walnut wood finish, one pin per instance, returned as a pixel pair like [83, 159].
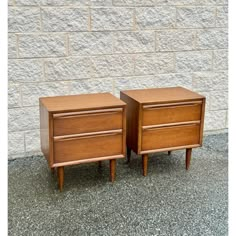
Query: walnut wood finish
[112, 170]
[100, 164]
[188, 157]
[163, 119]
[145, 164]
[60, 176]
[82, 129]
[75, 123]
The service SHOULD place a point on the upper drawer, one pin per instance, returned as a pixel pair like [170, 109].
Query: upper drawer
[171, 113]
[87, 121]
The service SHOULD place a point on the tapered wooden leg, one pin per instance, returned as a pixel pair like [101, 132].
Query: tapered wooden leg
[145, 164]
[52, 171]
[188, 157]
[60, 177]
[100, 164]
[169, 152]
[128, 154]
[112, 170]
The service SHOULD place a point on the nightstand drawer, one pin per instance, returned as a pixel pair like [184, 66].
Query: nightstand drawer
[171, 113]
[78, 147]
[172, 136]
[87, 121]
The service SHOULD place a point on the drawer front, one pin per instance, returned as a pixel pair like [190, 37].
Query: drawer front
[156, 114]
[85, 122]
[172, 136]
[86, 147]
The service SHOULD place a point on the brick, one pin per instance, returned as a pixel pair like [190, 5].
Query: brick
[208, 81]
[174, 40]
[21, 119]
[132, 42]
[90, 43]
[10, 2]
[137, 82]
[222, 16]
[33, 91]
[67, 69]
[219, 100]
[155, 17]
[91, 86]
[212, 39]
[32, 142]
[149, 64]
[220, 60]
[14, 95]
[193, 61]
[172, 80]
[16, 144]
[12, 49]
[195, 17]
[215, 120]
[65, 19]
[42, 45]
[23, 19]
[112, 65]
[207, 95]
[30, 70]
[111, 19]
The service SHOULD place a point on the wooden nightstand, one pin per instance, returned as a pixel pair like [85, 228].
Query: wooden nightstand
[82, 128]
[163, 119]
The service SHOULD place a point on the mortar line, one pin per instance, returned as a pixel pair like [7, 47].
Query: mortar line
[41, 20]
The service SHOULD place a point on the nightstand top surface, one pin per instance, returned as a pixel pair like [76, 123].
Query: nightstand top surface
[152, 95]
[80, 102]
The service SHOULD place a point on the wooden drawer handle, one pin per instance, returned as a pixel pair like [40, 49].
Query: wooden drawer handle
[171, 105]
[88, 135]
[169, 126]
[86, 113]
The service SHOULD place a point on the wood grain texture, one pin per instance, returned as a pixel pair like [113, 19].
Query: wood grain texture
[170, 137]
[132, 122]
[81, 129]
[188, 157]
[77, 148]
[44, 131]
[145, 164]
[112, 170]
[60, 176]
[75, 124]
[81, 102]
[171, 114]
[202, 120]
[163, 119]
[162, 95]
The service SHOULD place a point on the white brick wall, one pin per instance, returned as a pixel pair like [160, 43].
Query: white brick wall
[86, 46]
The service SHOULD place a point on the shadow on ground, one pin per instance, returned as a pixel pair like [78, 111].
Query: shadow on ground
[169, 201]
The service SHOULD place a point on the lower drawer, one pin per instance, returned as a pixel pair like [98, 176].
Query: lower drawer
[166, 137]
[86, 147]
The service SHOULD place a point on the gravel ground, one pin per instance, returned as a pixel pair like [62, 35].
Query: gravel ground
[169, 201]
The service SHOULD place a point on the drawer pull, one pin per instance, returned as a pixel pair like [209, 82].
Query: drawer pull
[87, 135]
[172, 105]
[85, 113]
[148, 127]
